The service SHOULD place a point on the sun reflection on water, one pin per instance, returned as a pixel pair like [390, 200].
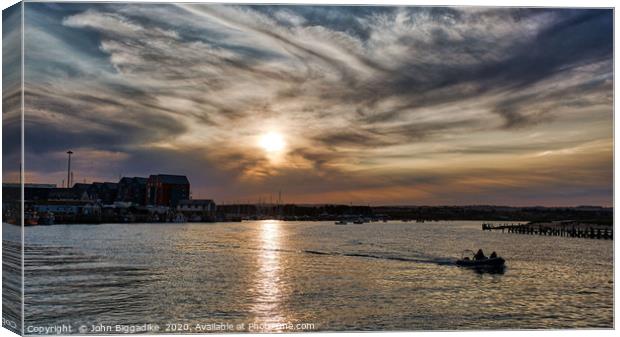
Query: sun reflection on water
[268, 292]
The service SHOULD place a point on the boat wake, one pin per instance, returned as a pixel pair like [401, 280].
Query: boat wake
[442, 261]
[383, 256]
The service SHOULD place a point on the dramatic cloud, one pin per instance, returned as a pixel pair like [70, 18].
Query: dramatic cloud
[383, 105]
[11, 93]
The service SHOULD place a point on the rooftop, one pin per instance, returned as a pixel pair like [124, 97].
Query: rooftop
[171, 179]
[140, 180]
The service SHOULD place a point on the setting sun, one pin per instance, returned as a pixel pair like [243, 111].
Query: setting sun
[272, 142]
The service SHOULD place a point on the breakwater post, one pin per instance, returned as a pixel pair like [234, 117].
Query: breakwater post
[570, 229]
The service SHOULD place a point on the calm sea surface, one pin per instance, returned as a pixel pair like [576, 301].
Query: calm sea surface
[377, 276]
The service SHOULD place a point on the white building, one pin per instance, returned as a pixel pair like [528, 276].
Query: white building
[196, 206]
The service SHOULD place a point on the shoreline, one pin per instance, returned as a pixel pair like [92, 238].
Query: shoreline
[576, 224]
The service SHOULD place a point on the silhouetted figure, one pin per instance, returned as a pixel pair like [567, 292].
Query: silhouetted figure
[479, 255]
[493, 255]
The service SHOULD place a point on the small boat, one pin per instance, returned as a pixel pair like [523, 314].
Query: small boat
[487, 263]
[358, 221]
[31, 219]
[341, 222]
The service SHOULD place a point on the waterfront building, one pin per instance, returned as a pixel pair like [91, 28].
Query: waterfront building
[166, 189]
[65, 194]
[12, 191]
[104, 192]
[83, 191]
[67, 207]
[197, 209]
[132, 190]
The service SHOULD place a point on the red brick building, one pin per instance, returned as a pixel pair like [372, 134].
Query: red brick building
[166, 190]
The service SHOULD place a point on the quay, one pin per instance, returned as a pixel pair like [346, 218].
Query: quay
[572, 229]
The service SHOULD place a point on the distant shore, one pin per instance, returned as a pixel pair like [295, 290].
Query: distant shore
[593, 215]
[579, 225]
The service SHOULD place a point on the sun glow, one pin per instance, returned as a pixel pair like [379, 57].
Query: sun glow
[272, 142]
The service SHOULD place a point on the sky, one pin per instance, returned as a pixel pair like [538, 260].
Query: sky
[327, 104]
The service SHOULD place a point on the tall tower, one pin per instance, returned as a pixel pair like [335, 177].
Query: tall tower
[69, 169]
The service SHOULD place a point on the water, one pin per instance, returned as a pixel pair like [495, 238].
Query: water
[378, 276]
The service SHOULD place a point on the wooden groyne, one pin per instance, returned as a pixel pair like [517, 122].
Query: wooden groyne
[570, 229]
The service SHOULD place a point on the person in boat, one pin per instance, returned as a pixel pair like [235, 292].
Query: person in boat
[493, 255]
[479, 255]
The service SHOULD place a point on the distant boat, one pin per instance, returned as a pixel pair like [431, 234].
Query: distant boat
[487, 263]
[358, 221]
[341, 222]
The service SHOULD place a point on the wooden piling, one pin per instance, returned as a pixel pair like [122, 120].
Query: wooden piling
[559, 228]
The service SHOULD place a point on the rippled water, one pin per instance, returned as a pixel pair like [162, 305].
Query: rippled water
[378, 276]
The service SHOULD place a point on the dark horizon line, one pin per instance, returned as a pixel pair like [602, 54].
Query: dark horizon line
[409, 205]
[348, 204]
